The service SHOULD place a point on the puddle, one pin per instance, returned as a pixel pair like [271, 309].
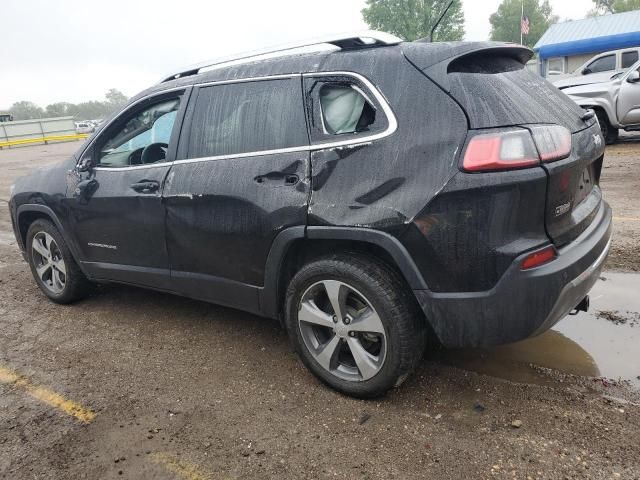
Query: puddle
[603, 342]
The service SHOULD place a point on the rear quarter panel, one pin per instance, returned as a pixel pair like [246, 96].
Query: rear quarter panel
[386, 183]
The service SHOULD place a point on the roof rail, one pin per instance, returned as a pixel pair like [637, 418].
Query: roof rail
[353, 41]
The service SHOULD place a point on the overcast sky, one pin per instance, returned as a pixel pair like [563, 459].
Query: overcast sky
[61, 50]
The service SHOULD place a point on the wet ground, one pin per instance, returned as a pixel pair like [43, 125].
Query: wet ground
[137, 384]
[605, 342]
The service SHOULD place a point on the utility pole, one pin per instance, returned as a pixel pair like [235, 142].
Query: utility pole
[521, 19]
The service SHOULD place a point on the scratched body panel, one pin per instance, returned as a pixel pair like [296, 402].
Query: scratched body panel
[386, 183]
[221, 221]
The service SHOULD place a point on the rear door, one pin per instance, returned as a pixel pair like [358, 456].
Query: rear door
[241, 177]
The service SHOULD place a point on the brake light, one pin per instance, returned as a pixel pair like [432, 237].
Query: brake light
[500, 151]
[517, 148]
[553, 142]
[538, 258]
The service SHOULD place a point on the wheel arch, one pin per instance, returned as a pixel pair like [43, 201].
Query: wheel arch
[296, 246]
[603, 107]
[29, 213]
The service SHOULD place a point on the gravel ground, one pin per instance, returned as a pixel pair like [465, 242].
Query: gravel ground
[183, 389]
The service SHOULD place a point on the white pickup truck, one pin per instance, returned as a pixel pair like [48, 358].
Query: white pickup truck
[616, 101]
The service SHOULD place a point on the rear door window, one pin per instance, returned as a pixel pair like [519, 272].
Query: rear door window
[255, 116]
[629, 58]
[602, 64]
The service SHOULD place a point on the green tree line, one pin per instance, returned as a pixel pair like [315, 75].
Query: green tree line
[413, 19]
[26, 110]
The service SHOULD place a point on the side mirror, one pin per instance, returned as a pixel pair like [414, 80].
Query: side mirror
[85, 165]
[634, 77]
[586, 71]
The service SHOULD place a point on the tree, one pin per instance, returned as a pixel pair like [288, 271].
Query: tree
[93, 109]
[61, 109]
[115, 98]
[505, 22]
[25, 110]
[602, 7]
[413, 19]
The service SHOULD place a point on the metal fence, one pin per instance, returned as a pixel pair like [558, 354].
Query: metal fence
[43, 130]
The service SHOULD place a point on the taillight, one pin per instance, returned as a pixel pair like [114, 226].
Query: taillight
[513, 149]
[553, 142]
[500, 151]
[538, 258]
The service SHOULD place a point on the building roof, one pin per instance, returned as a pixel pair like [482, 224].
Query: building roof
[591, 35]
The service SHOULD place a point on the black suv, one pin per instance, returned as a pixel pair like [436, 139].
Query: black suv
[369, 195]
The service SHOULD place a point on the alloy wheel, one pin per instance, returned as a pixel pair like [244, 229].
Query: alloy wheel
[48, 262]
[342, 330]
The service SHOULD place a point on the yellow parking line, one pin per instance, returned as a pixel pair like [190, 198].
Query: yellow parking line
[47, 396]
[180, 468]
[627, 219]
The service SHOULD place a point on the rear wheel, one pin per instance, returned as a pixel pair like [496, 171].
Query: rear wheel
[355, 324]
[52, 265]
[609, 132]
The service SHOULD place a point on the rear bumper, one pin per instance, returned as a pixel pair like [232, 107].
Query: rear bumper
[523, 303]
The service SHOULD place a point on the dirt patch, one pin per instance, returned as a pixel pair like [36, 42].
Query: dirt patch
[620, 183]
[620, 318]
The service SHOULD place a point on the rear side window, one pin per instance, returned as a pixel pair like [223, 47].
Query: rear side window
[629, 58]
[341, 108]
[247, 117]
[345, 109]
[603, 64]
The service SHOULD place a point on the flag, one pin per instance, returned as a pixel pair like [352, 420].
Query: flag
[524, 25]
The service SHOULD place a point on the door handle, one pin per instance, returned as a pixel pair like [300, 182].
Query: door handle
[291, 179]
[146, 186]
[275, 180]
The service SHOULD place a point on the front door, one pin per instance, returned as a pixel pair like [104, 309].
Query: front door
[241, 177]
[116, 202]
[629, 100]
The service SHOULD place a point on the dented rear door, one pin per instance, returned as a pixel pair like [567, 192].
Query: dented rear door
[241, 178]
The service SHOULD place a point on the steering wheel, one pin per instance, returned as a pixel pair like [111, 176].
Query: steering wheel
[154, 152]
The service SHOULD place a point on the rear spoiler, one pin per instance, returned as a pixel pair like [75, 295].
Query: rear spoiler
[436, 60]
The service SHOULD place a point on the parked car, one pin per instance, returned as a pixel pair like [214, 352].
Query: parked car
[371, 197]
[600, 68]
[84, 127]
[616, 102]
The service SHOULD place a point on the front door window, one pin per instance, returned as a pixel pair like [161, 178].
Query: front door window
[144, 138]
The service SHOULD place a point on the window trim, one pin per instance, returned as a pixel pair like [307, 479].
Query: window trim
[392, 122]
[386, 108]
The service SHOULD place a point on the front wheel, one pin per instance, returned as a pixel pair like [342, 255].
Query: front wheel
[609, 132]
[52, 265]
[355, 324]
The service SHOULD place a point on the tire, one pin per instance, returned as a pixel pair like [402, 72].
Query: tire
[63, 281]
[609, 132]
[382, 320]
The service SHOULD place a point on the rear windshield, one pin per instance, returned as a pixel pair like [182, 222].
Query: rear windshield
[501, 92]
